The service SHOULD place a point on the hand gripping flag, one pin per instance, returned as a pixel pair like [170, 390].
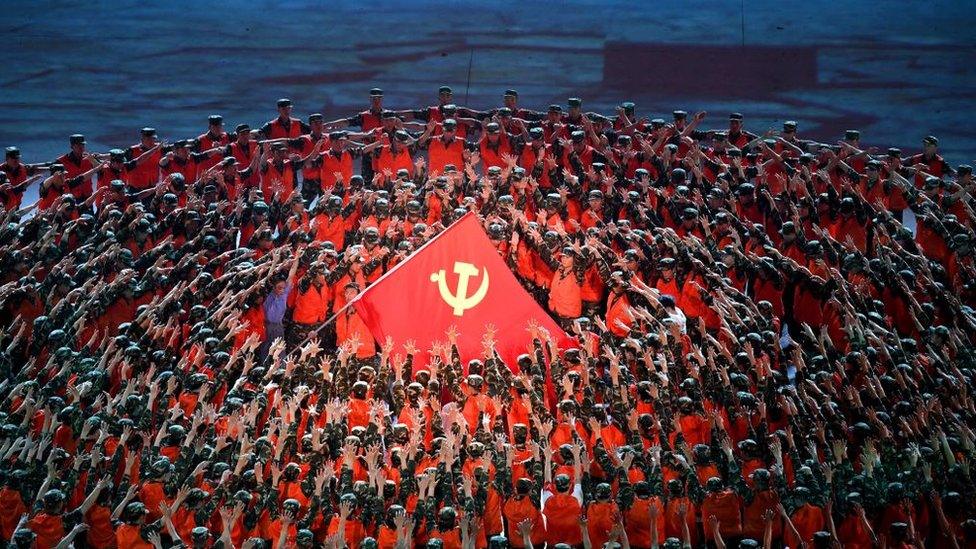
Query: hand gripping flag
[457, 279]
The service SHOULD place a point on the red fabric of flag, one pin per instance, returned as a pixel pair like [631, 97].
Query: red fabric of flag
[456, 279]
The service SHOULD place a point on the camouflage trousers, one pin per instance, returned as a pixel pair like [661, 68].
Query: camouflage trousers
[296, 333]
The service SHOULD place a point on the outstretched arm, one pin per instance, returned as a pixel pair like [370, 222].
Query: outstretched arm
[146, 155]
[788, 521]
[713, 524]
[652, 510]
[695, 121]
[315, 150]
[67, 540]
[583, 523]
[93, 497]
[525, 530]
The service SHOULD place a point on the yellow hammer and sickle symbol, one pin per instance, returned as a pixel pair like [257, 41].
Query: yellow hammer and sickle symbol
[461, 301]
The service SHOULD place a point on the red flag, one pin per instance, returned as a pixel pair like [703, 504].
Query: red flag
[456, 279]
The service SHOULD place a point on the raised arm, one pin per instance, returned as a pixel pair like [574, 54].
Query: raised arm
[93, 496]
[315, 150]
[68, 539]
[146, 155]
[714, 526]
[695, 121]
[585, 531]
[525, 530]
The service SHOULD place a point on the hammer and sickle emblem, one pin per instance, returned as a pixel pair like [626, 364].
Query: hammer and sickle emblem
[460, 300]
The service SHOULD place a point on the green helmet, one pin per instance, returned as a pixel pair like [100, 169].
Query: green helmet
[53, 499]
[562, 483]
[162, 467]
[305, 538]
[24, 537]
[134, 512]
[292, 505]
